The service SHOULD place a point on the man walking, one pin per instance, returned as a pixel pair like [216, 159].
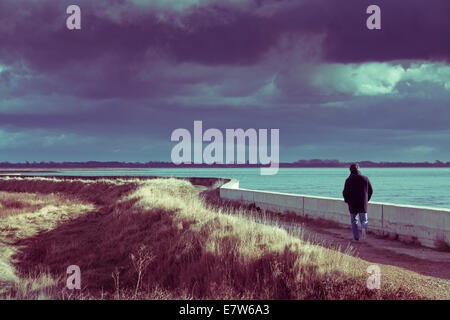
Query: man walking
[357, 193]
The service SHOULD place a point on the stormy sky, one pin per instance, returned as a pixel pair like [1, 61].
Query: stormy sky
[138, 70]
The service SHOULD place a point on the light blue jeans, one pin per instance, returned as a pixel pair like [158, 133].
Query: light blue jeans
[364, 222]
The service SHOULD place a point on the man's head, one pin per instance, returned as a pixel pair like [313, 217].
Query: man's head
[354, 167]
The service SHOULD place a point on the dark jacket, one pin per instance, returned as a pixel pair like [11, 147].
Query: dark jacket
[357, 192]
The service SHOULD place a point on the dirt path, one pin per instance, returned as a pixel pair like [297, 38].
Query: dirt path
[425, 270]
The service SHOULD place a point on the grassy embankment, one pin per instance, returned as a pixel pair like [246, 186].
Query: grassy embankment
[157, 239]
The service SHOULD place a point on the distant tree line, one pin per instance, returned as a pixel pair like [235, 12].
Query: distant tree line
[365, 164]
[313, 163]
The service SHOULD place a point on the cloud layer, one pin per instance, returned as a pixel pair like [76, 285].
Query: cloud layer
[140, 69]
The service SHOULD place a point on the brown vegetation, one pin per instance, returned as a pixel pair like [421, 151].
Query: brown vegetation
[158, 239]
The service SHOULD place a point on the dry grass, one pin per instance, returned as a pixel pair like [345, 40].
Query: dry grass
[157, 239]
[24, 215]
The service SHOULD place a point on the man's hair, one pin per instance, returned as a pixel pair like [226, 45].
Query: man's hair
[354, 167]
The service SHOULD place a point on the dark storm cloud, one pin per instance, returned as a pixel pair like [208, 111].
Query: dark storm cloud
[412, 29]
[139, 69]
[216, 35]
[108, 57]
[219, 34]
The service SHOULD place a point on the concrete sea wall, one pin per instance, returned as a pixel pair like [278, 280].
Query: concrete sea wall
[428, 226]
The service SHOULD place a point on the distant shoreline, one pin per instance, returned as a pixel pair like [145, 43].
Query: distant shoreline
[54, 168]
[12, 171]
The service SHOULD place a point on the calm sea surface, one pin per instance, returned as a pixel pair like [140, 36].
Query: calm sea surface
[414, 186]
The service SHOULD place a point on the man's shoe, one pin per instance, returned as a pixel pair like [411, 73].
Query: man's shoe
[355, 240]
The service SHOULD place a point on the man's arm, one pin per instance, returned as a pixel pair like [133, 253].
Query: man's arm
[345, 193]
[370, 190]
